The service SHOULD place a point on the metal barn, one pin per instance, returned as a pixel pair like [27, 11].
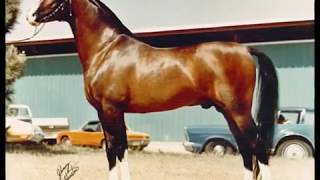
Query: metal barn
[52, 83]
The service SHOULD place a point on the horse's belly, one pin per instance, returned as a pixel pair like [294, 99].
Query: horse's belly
[150, 103]
[154, 108]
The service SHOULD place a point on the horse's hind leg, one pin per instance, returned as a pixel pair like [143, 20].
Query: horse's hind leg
[245, 132]
[254, 155]
[112, 121]
[262, 156]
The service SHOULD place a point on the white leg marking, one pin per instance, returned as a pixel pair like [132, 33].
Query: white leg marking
[248, 175]
[265, 171]
[124, 167]
[113, 173]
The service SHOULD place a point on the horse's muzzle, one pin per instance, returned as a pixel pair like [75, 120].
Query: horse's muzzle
[33, 23]
[31, 18]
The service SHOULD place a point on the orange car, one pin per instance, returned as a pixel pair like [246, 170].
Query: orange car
[91, 135]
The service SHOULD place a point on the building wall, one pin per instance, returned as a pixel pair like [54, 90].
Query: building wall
[53, 87]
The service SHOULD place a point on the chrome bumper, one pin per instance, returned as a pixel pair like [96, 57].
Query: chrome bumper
[38, 135]
[188, 146]
[37, 138]
[138, 143]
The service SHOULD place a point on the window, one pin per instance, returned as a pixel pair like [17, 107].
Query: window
[22, 112]
[99, 128]
[91, 126]
[13, 112]
[309, 118]
[289, 117]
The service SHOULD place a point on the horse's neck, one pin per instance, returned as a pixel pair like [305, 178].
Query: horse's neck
[93, 30]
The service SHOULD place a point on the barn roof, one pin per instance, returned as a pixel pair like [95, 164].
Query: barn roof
[145, 16]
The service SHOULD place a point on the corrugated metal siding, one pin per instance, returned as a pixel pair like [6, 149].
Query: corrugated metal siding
[295, 68]
[53, 87]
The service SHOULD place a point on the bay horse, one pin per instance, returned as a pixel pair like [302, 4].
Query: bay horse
[123, 74]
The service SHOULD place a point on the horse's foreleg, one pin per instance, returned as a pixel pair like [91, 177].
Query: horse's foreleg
[112, 121]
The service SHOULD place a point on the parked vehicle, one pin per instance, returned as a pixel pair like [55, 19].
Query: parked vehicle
[91, 134]
[50, 126]
[293, 135]
[18, 131]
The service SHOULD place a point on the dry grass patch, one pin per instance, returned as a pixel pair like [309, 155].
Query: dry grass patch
[38, 163]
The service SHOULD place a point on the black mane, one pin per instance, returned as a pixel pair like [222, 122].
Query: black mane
[109, 15]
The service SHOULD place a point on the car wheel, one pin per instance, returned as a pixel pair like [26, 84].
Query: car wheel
[294, 149]
[139, 148]
[134, 148]
[65, 141]
[219, 148]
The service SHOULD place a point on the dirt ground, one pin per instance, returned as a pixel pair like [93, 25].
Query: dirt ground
[35, 163]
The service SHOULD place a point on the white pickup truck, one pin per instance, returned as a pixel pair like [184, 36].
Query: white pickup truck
[50, 126]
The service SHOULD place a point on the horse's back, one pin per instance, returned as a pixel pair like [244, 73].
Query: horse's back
[196, 74]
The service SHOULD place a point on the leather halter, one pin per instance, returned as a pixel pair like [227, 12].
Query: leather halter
[58, 9]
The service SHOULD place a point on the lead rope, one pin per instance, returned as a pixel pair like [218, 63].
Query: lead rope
[35, 32]
[70, 8]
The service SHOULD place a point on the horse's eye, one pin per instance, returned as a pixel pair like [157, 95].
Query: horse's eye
[53, 5]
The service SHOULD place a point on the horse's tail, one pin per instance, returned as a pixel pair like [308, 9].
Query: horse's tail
[267, 104]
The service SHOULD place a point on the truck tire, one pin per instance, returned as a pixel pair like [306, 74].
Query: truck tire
[294, 149]
[218, 147]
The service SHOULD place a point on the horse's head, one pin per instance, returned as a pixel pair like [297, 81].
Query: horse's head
[49, 10]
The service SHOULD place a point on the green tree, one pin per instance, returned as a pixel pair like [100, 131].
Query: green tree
[12, 11]
[14, 59]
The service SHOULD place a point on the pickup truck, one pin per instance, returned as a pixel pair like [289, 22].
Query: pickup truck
[293, 136]
[50, 126]
[18, 131]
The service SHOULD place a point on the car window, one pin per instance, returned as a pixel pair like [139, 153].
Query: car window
[99, 127]
[13, 112]
[18, 112]
[288, 117]
[91, 126]
[309, 118]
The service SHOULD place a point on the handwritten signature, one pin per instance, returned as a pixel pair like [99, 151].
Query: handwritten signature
[67, 171]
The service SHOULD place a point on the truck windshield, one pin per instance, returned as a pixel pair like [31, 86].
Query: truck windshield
[18, 112]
